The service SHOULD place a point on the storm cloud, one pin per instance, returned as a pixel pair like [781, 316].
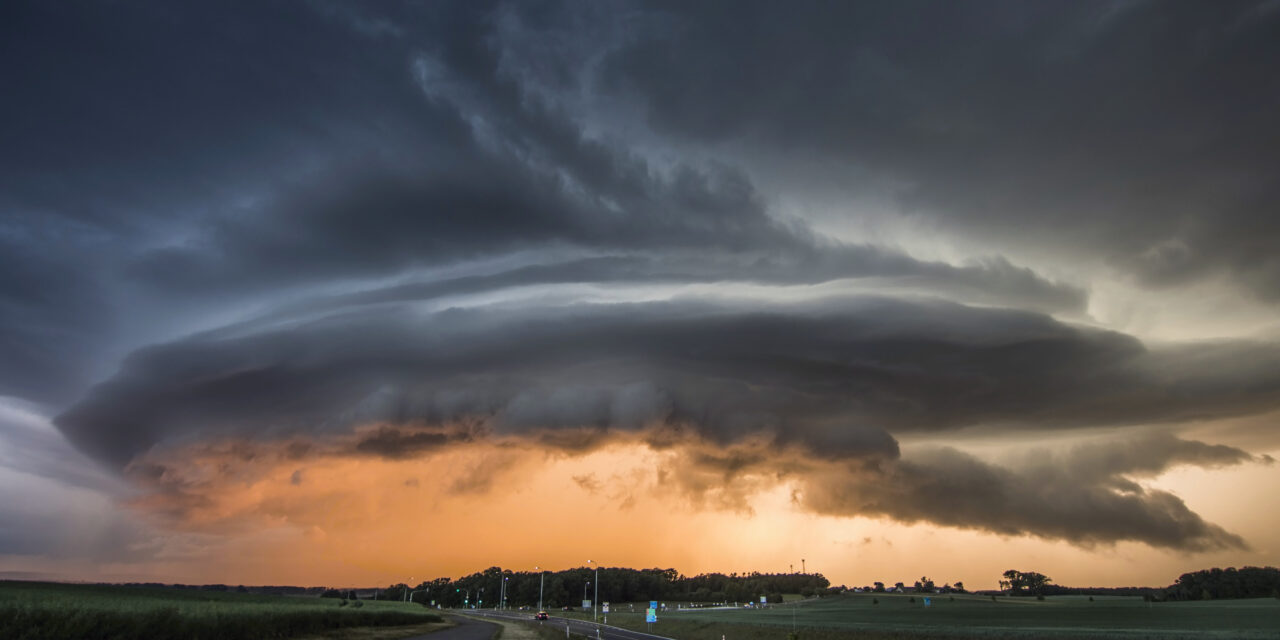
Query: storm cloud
[1140, 134]
[811, 375]
[742, 233]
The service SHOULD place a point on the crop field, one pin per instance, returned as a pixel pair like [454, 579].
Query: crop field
[897, 616]
[46, 611]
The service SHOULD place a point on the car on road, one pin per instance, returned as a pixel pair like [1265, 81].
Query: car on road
[542, 615]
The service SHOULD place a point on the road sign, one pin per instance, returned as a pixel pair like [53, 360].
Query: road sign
[927, 602]
[653, 604]
[605, 608]
[652, 615]
[764, 599]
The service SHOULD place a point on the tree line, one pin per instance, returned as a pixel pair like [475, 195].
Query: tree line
[570, 587]
[1206, 584]
[1213, 584]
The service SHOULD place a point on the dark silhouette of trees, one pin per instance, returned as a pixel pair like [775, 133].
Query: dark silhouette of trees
[1024, 582]
[1246, 582]
[565, 588]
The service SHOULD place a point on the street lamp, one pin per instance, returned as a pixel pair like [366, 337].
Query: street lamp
[542, 579]
[596, 597]
[502, 596]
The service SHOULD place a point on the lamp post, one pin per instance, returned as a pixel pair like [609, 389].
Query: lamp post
[542, 580]
[502, 597]
[596, 597]
[406, 590]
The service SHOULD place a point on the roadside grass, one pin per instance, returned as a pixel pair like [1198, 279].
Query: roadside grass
[47, 611]
[905, 615]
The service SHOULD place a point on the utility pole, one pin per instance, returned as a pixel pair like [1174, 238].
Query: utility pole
[802, 570]
[595, 599]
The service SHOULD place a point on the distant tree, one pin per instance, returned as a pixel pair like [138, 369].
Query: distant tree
[1015, 581]
[1035, 582]
[925, 583]
[331, 593]
[879, 587]
[958, 586]
[1012, 581]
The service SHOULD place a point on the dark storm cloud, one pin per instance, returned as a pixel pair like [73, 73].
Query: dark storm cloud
[829, 377]
[49, 315]
[1083, 496]
[165, 165]
[266, 205]
[1142, 133]
[1086, 496]
[395, 443]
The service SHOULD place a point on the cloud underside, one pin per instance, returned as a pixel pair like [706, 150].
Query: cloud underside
[1085, 496]
[826, 382]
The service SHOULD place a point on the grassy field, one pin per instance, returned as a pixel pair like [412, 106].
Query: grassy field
[896, 616]
[47, 611]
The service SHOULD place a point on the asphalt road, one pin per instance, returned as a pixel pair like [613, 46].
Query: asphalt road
[465, 629]
[576, 627]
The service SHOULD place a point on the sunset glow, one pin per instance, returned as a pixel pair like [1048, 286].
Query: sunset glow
[354, 294]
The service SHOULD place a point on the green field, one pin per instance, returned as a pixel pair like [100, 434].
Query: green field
[40, 611]
[896, 616]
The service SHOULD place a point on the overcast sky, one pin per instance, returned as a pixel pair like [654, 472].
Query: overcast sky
[853, 278]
